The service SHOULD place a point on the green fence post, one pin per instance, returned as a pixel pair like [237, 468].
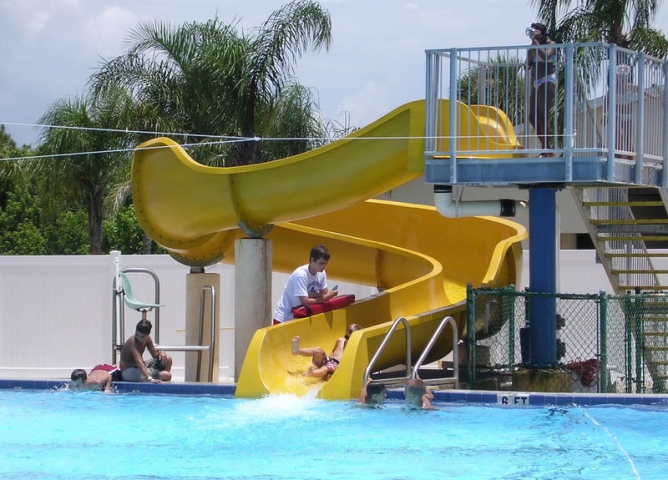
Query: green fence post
[470, 335]
[628, 334]
[637, 309]
[510, 299]
[603, 322]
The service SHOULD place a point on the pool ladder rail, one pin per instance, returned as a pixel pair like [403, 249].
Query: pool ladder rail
[122, 295]
[413, 372]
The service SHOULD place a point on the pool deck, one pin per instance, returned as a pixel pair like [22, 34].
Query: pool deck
[515, 399]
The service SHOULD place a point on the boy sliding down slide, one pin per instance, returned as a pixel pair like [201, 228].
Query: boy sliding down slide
[324, 365]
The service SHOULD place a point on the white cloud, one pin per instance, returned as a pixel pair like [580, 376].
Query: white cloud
[109, 29]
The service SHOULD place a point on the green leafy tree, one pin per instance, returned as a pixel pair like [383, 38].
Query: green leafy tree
[122, 232]
[10, 171]
[211, 80]
[19, 225]
[501, 83]
[88, 157]
[67, 233]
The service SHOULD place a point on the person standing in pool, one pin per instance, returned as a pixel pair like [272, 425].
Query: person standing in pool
[307, 285]
[373, 394]
[133, 368]
[324, 365]
[417, 394]
[99, 378]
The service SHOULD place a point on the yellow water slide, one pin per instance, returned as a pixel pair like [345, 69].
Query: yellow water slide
[420, 261]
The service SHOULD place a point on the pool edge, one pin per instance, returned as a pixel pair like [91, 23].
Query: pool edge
[441, 396]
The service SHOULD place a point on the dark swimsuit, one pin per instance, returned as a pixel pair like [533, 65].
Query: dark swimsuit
[330, 363]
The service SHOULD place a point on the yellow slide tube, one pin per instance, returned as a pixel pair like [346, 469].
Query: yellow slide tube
[420, 261]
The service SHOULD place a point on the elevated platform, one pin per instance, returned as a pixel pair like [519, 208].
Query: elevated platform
[603, 124]
[530, 171]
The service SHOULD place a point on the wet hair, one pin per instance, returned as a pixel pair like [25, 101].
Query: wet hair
[415, 388]
[78, 375]
[353, 327]
[318, 252]
[144, 326]
[374, 389]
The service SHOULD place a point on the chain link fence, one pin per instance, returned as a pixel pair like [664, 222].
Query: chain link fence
[608, 343]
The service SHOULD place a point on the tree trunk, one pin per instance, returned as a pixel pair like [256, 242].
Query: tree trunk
[145, 244]
[95, 202]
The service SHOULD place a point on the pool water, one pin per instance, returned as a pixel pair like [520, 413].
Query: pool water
[81, 435]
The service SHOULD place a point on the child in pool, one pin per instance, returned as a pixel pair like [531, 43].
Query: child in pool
[417, 394]
[373, 393]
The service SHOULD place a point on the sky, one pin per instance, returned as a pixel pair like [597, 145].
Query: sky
[49, 48]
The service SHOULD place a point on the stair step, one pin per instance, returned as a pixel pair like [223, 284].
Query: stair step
[630, 221]
[649, 203]
[644, 287]
[656, 349]
[655, 334]
[637, 255]
[636, 228]
[639, 271]
[644, 238]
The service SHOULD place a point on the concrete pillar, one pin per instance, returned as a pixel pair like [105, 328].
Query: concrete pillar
[252, 293]
[195, 283]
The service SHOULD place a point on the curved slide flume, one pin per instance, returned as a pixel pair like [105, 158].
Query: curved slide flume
[420, 261]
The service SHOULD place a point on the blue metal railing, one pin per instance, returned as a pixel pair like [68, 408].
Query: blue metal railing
[609, 112]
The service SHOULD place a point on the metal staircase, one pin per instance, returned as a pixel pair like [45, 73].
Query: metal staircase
[629, 228]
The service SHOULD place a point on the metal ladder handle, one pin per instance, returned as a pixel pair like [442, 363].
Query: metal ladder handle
[182, 348]
[212, 331]
[389, 334]
[211, 348]
[432, 342]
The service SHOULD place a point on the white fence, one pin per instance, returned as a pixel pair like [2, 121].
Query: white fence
[56, 311]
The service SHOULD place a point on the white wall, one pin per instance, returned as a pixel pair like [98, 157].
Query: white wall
[56, 311]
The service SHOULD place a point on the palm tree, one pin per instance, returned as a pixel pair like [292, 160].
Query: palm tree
[211, 80]
[87, 157]
[501, 83]
[626, 23]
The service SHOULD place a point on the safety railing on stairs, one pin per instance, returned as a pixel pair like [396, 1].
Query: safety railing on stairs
[199, 348]
[118, 321]
[622, 251]
[412, 372]
[455, 359]
[388, 336]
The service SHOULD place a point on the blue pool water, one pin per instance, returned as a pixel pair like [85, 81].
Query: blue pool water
[82, 435]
